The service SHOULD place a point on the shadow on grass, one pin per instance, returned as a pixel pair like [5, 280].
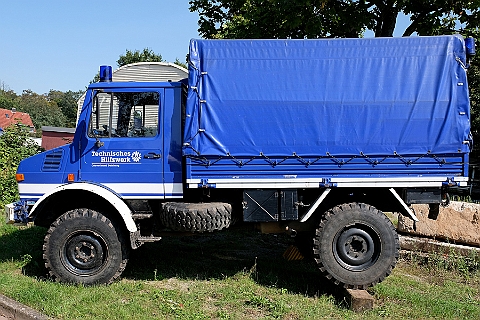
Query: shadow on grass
[201, 257]
[224, 254]
[23, 245]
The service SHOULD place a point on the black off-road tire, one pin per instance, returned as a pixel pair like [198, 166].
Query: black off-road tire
[355, 246]
[196, 217]
[84, 246]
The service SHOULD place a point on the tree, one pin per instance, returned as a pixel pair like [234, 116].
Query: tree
[278, 18]
[329, 18]
[7, 97]
[56, 108]
[6, 103]
[42, 111]
[180, 63]
[15, 145]
[146, 55]
[6, 91]
[67, 102]
[473, 75]
[441, 16]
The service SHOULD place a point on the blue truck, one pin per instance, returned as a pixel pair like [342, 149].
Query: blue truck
[312, 137]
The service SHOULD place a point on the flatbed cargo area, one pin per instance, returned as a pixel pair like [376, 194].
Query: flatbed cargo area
[355, 108]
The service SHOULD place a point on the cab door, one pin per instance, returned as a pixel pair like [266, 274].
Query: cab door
[124, 143]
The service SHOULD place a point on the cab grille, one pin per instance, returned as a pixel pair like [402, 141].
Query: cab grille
[52, 161]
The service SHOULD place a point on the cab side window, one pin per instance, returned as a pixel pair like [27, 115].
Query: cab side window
[124, 114]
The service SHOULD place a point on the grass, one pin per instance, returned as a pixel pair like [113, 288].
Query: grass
[232, 275]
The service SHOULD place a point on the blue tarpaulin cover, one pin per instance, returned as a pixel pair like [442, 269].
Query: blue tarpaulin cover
[376, 96]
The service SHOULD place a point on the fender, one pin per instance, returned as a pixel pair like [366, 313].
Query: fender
[103, 192]
[404, 206]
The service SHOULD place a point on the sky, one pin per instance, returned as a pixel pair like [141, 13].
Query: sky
[60, 44]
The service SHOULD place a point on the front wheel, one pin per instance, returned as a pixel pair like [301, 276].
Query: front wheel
[84, 246]
[356, 245]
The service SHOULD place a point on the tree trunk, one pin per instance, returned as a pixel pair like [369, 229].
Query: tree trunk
[386, 21]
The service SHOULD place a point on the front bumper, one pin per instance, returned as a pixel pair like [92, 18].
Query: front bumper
[18, 212]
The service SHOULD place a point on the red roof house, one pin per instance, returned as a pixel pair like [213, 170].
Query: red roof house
[9, 117]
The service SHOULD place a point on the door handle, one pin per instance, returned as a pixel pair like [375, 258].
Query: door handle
[152, 155]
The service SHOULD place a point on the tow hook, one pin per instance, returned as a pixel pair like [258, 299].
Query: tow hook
[291, 232]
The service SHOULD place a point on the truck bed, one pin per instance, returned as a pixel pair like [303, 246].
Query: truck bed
[327, 111]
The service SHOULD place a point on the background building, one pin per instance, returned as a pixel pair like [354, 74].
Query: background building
[53, 137]
[9, 117]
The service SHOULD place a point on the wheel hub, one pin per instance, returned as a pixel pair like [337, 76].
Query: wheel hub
[84, 254]
[355, 249]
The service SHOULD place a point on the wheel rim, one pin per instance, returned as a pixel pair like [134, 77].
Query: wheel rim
[84, 253]
[357, 247]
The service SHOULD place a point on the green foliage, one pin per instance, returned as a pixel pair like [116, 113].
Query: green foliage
[474, 87]
[278, 18]
[67, 102]
[440, 16]
[6, 102]
[6, 92]
[146, 55]
[473, 75]
[15, 145]
[42, 111]
[57, 109]
[328, 18]
[180, 63]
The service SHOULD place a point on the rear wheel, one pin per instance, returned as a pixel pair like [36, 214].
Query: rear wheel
[356, 245]
[84, 246]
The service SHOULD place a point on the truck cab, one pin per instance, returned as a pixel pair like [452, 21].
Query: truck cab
[127, 141]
